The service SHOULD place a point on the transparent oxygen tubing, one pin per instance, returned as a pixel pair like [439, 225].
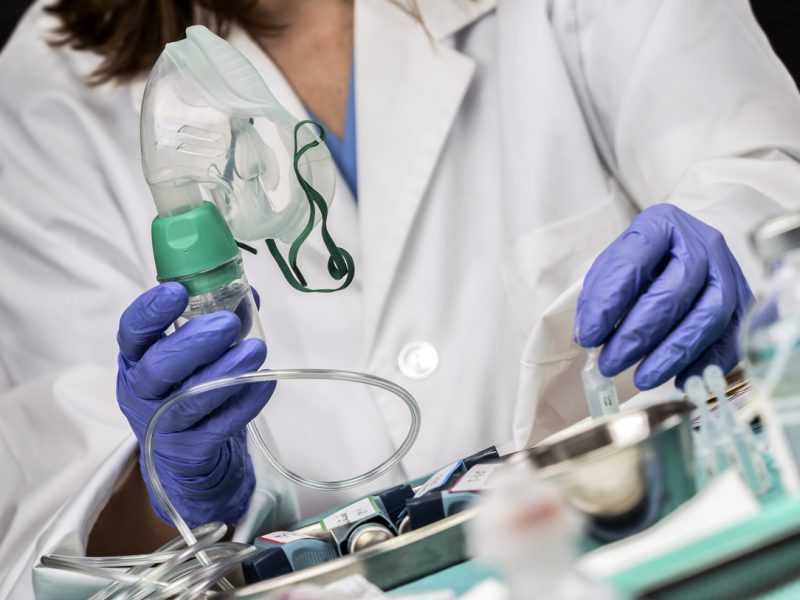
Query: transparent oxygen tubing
[189, 566]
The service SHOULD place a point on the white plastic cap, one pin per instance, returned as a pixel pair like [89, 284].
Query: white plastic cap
[715, 379]
[696, 390]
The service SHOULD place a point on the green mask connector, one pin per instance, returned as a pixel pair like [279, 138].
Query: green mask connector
[197, 249]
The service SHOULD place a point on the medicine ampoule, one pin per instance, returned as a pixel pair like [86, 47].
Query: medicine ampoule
[601, 394]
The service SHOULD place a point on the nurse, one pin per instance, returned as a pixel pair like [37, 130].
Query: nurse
[507, 170]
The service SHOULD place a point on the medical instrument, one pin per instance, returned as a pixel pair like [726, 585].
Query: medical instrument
[668, 276]
[393, 501]
[366, 535]
[713, 452]
[280, 539]
[389, 504]
[216, 145]
[446, 477]
[436, 506]
[344, 523]
[749, 460]
[223, 159]
[601, 393]
[489, 454]
[450, 490]
[442, 478]
[212, 130]
[769, 342]
[283, 552]
[478, 478]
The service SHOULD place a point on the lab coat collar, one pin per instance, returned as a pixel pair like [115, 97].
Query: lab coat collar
[408, 91]
[443, 18]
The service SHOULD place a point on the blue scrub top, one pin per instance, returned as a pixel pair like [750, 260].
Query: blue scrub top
[343, 150]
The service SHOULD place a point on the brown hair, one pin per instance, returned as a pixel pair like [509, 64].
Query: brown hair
[129, 35]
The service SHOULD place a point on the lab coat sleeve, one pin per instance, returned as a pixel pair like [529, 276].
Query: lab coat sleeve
[62, 438]
[688, 104]
[68, 210]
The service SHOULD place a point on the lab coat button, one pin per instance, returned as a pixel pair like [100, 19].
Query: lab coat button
[418, 360]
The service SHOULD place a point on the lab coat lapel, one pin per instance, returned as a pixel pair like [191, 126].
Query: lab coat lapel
[409, 87]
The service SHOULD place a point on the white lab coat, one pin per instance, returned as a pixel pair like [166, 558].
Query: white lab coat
[496, 157]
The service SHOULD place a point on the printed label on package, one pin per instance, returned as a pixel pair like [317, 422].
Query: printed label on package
[438, 479]
[606, 399]
[355, 512]
[283, 537]
[477, 478]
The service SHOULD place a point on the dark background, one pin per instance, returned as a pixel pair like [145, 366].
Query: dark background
[779, 18]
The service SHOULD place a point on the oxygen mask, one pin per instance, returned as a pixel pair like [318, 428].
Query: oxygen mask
[212, 132]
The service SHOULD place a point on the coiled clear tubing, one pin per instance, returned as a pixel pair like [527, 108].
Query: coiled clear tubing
[190, 566]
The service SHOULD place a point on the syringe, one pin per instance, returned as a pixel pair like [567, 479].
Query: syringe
[601, 394]
[740, 438]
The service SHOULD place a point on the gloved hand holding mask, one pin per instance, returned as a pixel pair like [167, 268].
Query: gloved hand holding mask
[669, 293]
[200, 445]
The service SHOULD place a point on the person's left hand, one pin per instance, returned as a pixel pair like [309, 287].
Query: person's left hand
[667, 292]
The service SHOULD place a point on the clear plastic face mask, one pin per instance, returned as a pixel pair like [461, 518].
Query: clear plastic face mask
[211, 130]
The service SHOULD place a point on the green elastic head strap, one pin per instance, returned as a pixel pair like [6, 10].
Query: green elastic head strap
[340, 263]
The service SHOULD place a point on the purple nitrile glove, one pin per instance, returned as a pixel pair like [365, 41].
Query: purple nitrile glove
[200, 446]
[667, 292]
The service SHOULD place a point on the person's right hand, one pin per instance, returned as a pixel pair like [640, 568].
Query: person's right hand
[200, 446]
